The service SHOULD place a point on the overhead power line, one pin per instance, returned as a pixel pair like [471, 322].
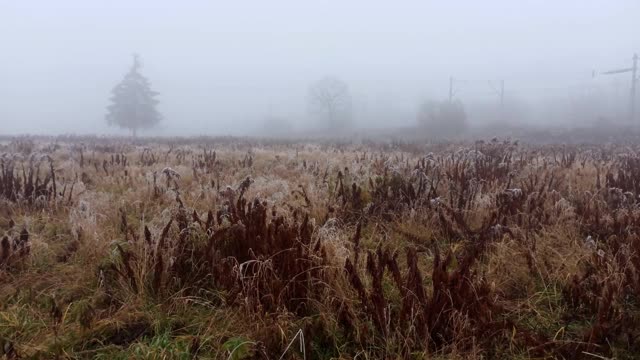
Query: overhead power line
[634, 81]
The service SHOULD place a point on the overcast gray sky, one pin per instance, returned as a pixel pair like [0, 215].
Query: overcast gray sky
[221, 66]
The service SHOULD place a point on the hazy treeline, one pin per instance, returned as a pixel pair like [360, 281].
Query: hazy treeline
[292, 69]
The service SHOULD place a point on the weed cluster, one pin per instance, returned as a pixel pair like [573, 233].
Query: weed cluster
[239, 248]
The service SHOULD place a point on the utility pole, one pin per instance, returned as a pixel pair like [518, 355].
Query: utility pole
[450, 88]
[502, 94]
[499, 92]
[634, 80]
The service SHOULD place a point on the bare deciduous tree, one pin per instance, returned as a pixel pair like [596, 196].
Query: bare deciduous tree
[330, 102]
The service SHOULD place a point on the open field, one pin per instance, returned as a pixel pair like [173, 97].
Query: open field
[262, 249]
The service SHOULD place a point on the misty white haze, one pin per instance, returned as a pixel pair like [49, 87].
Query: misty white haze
[222, 67]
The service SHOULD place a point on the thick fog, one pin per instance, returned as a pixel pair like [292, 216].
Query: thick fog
[223, 67]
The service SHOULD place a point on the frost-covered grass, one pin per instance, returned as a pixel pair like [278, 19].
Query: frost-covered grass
[404, 250]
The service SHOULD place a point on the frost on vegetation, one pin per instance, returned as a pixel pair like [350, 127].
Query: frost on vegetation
[435, 201]
[564, 207]
[228, 193]
[275, 190]
[367, 208]
[430, 158]
[283, 188]
[589, 243]
[332, 234]
[515, 192]
[82, 214]
[170, 173]
[484, 201]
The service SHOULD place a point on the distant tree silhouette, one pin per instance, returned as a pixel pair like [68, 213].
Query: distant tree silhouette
[133, 103]
[330, 102]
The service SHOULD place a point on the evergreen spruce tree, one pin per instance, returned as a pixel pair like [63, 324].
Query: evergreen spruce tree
[133, 102]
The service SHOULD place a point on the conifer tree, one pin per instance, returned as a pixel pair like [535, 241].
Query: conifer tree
[133, 103]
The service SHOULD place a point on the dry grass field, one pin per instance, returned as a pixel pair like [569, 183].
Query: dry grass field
[237, 248]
